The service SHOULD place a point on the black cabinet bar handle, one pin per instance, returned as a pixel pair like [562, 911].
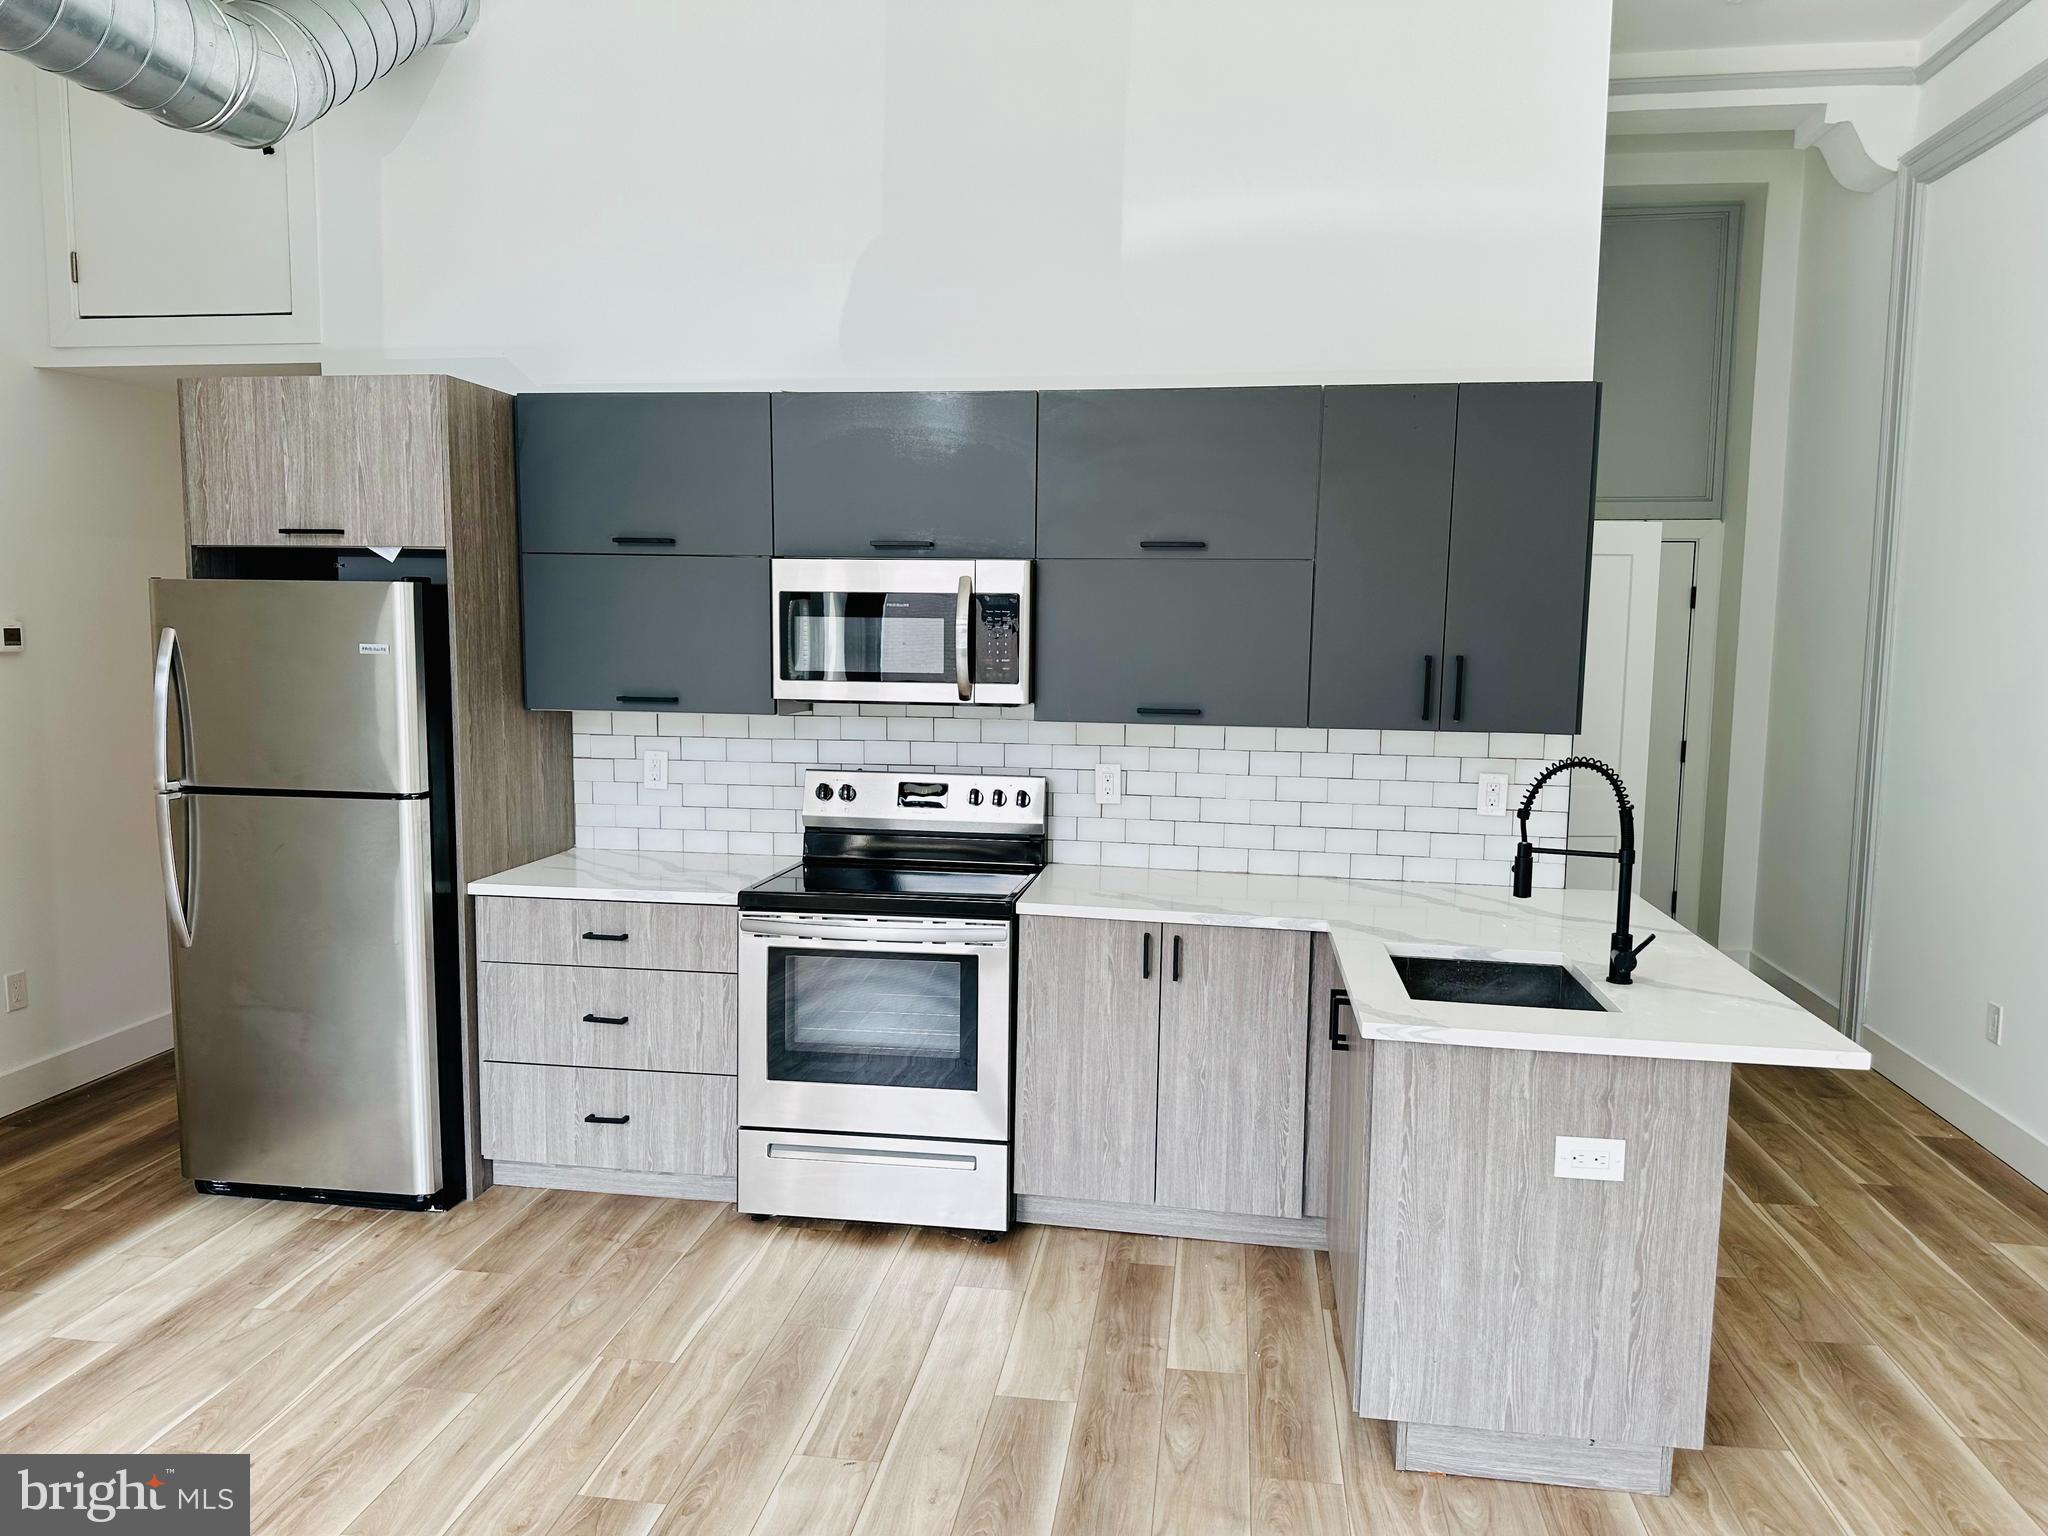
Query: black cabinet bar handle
[901, 544]
[1147, 972]
[313, 533]
[1176, 957]
[1173, 543]
[1339, 999]
[607, 938]
[604, 1018]
[657, 540]
[1458, 689]
[606, 1119]
[1178, 711]
[645, 698]
[1428, 685]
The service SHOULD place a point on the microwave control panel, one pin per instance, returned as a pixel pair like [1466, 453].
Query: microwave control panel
[998, 637]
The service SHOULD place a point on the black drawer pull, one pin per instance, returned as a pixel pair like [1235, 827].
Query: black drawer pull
[902, 544]
[1458, 689]
[1173, 543]
[604, 1018]
[313, 533]
[1428, 685]
[1339, 1000]
[606, 1119]
[1177, 711]
[607, 938]
[645, 698]
[651, 540]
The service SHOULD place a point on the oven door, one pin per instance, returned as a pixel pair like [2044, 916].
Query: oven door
[888, 1026]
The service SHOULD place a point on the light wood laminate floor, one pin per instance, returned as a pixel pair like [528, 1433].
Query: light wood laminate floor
[550, 1362]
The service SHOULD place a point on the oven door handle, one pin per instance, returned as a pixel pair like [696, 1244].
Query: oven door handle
[800, 1153]
[851, 933]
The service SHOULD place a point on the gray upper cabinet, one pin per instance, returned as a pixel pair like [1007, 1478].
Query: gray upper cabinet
[1087, 1058]
[1218, 472]
[1189, 641]
[647, 632]
[905, 474]
[1383, 541]
[1233, 1014]
[683, 474]
[1521, 555]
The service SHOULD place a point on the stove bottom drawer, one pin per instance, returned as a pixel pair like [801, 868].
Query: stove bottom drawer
[875, 1178]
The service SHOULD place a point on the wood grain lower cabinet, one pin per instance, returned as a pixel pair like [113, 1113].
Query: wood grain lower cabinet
[1087, 1058]
[602, 1016]
[655, 935]
[1231, 1070]
[588, 1117]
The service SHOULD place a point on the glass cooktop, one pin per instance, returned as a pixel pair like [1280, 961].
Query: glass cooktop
[878, 887]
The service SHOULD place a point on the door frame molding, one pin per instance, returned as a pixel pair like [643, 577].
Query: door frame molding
[1983, 127]
[1705, 535]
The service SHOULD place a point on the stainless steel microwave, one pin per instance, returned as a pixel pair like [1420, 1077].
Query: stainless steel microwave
[903, 631]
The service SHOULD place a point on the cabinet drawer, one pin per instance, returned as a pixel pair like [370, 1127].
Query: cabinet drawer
[630, 935]
[591, 1117]
[606, 1016]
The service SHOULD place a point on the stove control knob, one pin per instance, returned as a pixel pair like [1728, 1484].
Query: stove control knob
[846, 791]
[824, 791]
[974, 797]
[1023, 798]
[996, 797]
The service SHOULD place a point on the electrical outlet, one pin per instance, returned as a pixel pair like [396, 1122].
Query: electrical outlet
[1589, 1157]
[654, 770]
[17, 991]
[1493, 794]
[1994, 1023]
[1109, 783]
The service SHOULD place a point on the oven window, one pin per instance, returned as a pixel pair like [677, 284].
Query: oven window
[889, 1021]
[867, 637]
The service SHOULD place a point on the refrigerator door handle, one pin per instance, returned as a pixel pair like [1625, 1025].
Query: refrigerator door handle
[166, 662]
[174, 888]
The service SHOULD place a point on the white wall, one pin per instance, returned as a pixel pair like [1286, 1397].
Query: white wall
[923, 192]
[1838, 345]
[89, 510]
[1957, 879]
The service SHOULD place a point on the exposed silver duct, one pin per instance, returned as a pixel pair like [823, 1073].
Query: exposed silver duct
[250, 71]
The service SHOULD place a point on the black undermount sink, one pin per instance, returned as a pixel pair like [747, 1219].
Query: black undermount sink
[1498, 983]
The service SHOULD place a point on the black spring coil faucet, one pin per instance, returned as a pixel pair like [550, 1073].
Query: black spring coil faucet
[1622, 949]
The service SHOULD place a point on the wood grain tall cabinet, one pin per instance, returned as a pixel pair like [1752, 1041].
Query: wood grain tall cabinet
[279, 469]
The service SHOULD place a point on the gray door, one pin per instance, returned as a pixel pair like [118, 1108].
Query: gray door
[304, 1007]
[1198, 642]
[293, 684]
[647, 632]
[1383, 542]
[1232, 1072]
[674, 473]
[905, 474]
[1521, 552]
[1218, 472]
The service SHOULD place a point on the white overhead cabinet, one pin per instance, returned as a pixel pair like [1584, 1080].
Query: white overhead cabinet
[157, 237]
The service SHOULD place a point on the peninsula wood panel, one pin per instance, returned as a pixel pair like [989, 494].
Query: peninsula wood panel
[609, 1016]
[1233, 1008]
[649, 935]
[1087, 1058]
[1498, 1296]
[1315, 1172]
[675, 1122]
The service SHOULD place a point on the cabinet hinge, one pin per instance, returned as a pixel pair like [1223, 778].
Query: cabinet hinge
[74, 266]
[1694, 600]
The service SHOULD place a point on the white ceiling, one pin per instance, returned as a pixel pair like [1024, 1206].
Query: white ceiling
[1656, 26]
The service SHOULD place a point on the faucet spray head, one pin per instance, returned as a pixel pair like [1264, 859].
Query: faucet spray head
[1525, 869]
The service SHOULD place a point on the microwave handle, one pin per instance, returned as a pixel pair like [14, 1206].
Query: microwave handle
[963, 613]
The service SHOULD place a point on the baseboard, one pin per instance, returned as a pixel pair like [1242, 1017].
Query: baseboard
[1162, 1221]
[1964, 1110]
[75, 1066]
[1794, 988]
[611, 1181]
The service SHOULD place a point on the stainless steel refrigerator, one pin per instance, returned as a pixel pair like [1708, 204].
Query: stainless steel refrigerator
[295, 812]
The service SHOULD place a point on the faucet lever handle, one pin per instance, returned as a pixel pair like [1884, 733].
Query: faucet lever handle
[1644, 945]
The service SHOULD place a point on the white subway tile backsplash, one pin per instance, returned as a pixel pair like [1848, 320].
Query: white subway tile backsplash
[1366, 805]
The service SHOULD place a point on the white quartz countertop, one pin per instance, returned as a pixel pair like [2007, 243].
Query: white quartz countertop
[1689, 1002]
[599, 874]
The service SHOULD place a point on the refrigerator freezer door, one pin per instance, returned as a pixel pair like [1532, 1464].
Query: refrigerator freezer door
[304, 1007]
[306, 685]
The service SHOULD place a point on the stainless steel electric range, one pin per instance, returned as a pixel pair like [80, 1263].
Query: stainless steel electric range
[876, 986]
